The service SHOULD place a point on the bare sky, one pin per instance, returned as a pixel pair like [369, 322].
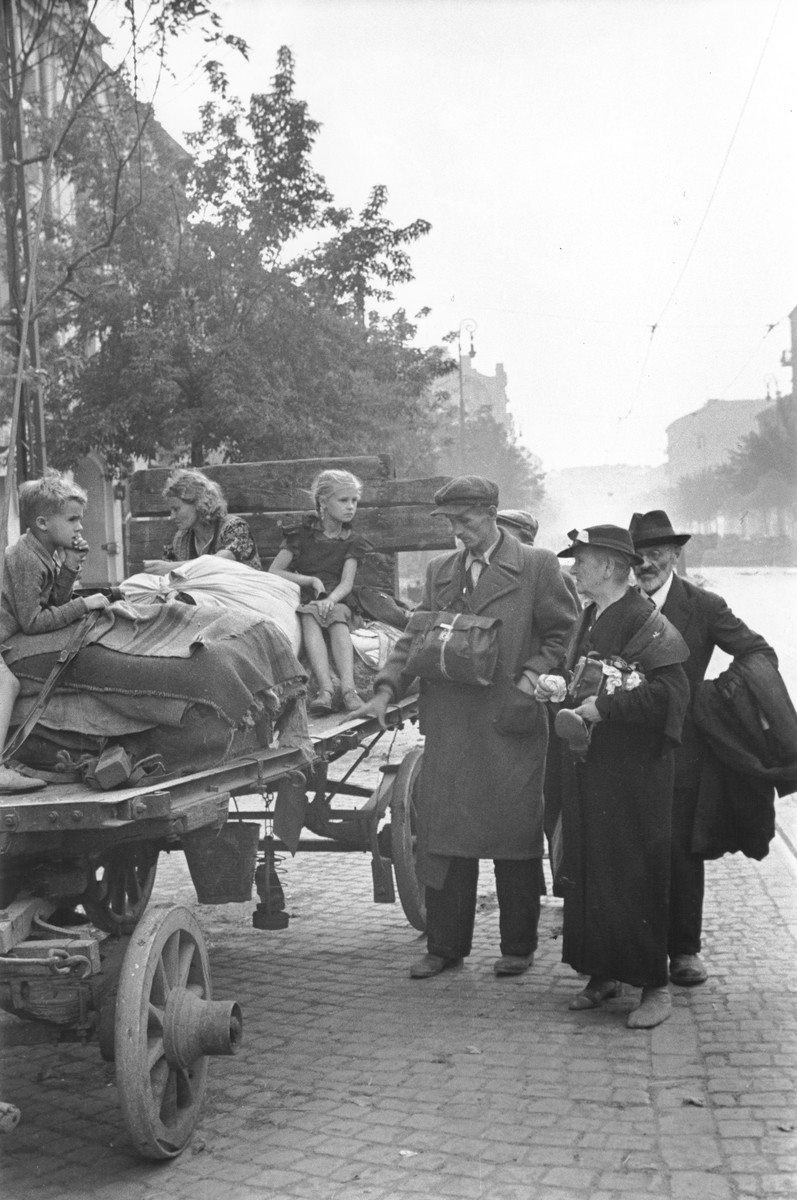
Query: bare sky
[611, 185]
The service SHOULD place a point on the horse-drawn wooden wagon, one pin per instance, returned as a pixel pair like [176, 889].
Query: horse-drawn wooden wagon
[82, 949]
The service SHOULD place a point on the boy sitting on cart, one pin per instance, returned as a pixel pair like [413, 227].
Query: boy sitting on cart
[39, 573]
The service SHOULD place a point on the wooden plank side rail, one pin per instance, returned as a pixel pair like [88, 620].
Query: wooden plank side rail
[258, 487]
[394, 514]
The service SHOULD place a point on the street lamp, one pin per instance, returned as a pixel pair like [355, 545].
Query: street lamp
[468, 325]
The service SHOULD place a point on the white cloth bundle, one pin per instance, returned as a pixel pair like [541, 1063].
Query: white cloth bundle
[211, 581]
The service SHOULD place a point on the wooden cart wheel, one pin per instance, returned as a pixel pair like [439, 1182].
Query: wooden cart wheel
[124, 879]
[403, 838]
[166, 1026]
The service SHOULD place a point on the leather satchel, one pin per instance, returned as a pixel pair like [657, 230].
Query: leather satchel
[454, 647]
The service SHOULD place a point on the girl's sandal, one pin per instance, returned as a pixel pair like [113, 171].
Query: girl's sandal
[351, 701]
[322, 705]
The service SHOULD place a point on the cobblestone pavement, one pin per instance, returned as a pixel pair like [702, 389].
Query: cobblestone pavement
[356, 1083]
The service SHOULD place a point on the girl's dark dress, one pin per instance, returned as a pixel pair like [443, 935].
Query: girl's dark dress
[316, 554]
[616, 811]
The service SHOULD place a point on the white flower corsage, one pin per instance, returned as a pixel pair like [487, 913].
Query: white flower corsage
[554, 687]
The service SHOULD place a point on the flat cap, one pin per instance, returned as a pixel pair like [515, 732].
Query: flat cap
[601, 537]
[464, 492]
[521, 523]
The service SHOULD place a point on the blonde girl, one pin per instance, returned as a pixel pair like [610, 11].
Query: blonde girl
[321, 554]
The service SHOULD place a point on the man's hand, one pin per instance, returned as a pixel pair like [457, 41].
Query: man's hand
[96, 600]
[588, 710]
[375, 707]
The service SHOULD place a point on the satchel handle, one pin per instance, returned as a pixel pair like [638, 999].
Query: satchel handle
[445, 638]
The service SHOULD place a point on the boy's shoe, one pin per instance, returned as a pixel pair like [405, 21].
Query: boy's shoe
[12, 782]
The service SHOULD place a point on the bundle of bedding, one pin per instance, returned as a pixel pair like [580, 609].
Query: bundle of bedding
[195, 684]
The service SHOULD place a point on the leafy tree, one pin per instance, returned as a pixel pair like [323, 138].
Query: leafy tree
[210, 344]
[364, 261]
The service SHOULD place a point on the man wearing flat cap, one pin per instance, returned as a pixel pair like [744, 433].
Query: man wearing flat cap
[614, 780]
[705, 622]
[480, 786]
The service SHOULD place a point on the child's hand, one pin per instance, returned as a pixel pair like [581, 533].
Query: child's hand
[324, 607]
[75, 554]
[318, 586]
[96, 600]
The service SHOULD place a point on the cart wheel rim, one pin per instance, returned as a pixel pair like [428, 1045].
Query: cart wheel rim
[160, 1099]
[403, 838]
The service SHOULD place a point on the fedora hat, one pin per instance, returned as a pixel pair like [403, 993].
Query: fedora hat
[602, 537]
[654, 529]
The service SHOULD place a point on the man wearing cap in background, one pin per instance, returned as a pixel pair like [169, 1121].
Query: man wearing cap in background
[520, 524]
[480, 785]
[705, 621]
[524, 527]
[616, 779]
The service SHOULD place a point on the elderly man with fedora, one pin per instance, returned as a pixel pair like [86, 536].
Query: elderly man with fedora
[618, 727]
[705, 622]
[480, 784]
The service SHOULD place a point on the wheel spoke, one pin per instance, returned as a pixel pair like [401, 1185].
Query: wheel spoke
[170, 957]
[168, 1104]
[155, 1018]
[159, 1078]
[160, 984]
[155, 1052]
[186, 962]
[184, 1080]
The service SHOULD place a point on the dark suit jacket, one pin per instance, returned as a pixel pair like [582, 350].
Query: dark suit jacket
[704, 621]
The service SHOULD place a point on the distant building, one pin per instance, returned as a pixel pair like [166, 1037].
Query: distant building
[705, 438]
[480, 392]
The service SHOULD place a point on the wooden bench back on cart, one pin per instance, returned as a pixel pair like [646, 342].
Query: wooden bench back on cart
[394, 514]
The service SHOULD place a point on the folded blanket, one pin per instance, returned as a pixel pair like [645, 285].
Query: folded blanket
[235, 660]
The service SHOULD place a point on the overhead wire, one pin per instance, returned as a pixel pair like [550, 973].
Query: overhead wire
[657, 323]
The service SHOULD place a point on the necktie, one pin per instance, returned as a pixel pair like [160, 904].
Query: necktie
[476, 567]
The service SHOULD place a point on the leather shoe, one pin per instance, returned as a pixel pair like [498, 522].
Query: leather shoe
[574, 729]
[687, 970]
[431, 964]
[656, 1007]
[513, 964]
[594, 994]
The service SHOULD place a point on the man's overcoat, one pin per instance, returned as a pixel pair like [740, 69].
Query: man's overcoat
[480, 787]
[704, 621]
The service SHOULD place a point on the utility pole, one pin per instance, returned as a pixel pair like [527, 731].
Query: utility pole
[21, 335]
[467, 326]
